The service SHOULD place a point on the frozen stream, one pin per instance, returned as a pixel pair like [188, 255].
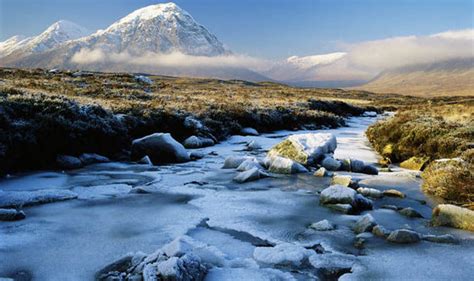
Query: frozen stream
[72, 240]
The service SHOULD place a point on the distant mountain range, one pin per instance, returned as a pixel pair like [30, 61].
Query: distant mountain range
[450, 77]
[164, 39]
[131, 44]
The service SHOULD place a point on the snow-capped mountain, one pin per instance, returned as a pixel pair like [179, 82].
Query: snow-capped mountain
[58, 33]
[161, 28]
[146, 40]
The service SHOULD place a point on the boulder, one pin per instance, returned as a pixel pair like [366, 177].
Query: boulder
[337, 194]
[370, 170]
[393, 193]
[415, 163]
[410, 212]
[250, 175]
[403, 236]
[187, 267]
[365, 224]
[161, 148]
[91, 158]
[357, 166]
[340, 195]
[341, 180]
[145, 160]
[68, 162]
[232, 162]
[249, 164]
[323, 225]
[197, 142]
[361, 203]
[446, 238]
[370, 192]
[281, 165]
[11, 215]
[249, 132]
[306, 149]
[453, 216]
[331, 164]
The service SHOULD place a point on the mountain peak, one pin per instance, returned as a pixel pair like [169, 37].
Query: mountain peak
[164, 11]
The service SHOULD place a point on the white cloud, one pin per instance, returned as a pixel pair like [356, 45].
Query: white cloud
[359, 61]
[364, 60]
[175, 59]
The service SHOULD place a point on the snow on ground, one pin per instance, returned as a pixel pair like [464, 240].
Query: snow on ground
[71, 240]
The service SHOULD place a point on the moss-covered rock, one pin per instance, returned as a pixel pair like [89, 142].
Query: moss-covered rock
[453, 216]
[306, 149]
[415, 163]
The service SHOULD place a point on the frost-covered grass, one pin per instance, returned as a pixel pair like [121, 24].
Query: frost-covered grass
[434, 132]
[43, 115]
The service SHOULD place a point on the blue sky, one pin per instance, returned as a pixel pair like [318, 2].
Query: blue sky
[264, 28]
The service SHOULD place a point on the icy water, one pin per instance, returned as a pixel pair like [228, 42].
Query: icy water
[72, 240]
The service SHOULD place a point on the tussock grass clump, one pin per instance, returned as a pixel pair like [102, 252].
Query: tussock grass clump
[452, 180]
[421, 133]
[433, 132]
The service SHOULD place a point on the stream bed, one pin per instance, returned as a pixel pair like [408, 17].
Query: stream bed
[72, 240]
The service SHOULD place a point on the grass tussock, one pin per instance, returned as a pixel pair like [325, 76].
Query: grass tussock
[433, 132]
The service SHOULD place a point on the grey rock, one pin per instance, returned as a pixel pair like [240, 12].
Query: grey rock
[321, 172]
[341, 208]
[68, 162]
[331, 164]
[323, 225]
[253, 145]
[380, 231]
[11, 215]
[361, 203]
[410, 212]
[365, 224]
[161, 148]
[357, 166]
[249, 132]
[403, 236]
[249, 164]
[91, 158]
[370, 192]
[232, 162]
[197, 142]
[393, 193]
[281, 165]
[370, 170]
[337, 194]
[250, 175]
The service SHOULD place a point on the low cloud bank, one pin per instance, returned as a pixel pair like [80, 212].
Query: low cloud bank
[360, 61]
[174, 59]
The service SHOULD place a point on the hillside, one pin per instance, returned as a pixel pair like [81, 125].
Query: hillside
[447, 78]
